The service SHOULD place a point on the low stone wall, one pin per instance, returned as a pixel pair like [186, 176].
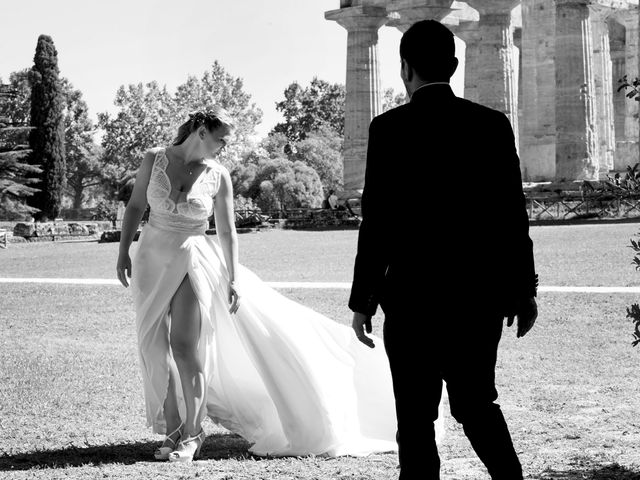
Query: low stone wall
[321, 219]
[59, 230]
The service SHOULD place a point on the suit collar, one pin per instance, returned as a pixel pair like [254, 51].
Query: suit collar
[430, 91]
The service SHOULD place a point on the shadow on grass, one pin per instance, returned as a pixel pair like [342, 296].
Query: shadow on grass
[609, 472]
[216, 447]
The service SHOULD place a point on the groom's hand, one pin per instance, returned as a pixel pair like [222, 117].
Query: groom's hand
[359, 323]
[527, 313]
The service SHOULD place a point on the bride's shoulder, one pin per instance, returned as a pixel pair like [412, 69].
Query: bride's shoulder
[216, 166]
[219, 174]
[153, 154]
[154, 151]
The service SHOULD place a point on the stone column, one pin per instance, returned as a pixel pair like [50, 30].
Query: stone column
[618, 67]
[628, 143]
[602, 73]
[577, 138]
[517, 62]
[468, 33]
[496, 71]
[363, 91]
[404, 13]
[538, 130]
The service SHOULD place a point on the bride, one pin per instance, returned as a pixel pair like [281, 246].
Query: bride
[214, 340]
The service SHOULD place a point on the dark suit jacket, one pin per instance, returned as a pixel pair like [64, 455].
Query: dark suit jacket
[444, 223]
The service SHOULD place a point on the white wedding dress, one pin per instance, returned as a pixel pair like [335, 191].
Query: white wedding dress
[287, 379]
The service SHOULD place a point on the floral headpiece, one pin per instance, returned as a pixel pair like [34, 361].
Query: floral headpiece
[212, 117]
[200, 116]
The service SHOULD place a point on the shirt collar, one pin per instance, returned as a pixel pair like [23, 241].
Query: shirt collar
[437, 93]
[428, 85]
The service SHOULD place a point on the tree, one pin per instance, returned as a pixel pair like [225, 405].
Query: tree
[16, 176]
[47, 137]
[308, 109]
[149, 116]
[277, 145]
[322, 150]
[14, 187]
[145, 119]
[318, 105]
[277, 183]
[217, 87]
[630, 183]
[305, 191]
[242, 177]
[391, 99]
[83, 155]
[17, 107]
[244, 174]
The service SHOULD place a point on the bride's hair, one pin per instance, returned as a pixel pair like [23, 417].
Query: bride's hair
[212, 118]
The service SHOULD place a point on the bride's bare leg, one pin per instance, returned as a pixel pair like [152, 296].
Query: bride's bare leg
[171, 413]
[185, 330]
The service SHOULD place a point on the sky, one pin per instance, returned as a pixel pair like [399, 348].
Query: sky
[103, 44]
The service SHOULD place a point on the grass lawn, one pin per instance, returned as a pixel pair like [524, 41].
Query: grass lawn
[583, 255]
[71, 399]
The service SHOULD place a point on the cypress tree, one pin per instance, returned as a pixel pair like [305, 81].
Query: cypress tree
[47, 137]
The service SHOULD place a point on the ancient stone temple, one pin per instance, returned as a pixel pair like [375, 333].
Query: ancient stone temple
[552, 66]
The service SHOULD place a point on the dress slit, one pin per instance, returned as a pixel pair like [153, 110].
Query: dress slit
[198, 301]
[202, 351]
[286, 378]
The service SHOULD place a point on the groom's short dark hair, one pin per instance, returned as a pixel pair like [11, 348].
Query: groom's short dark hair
[429, 48]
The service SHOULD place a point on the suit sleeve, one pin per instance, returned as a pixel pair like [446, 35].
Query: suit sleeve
[516, 218]
[372, 255]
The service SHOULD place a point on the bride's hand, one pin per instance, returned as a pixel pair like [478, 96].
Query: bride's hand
[123, 265]
[234, 298]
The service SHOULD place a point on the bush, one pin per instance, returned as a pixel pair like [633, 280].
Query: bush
[277, 183]
[105, 210]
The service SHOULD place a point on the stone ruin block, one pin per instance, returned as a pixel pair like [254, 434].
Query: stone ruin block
[92, 228]
[46, 229]
[24, 230]
[77, 229]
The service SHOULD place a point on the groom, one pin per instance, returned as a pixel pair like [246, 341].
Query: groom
[444, 249]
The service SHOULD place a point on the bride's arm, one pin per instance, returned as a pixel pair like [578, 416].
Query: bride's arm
[226, 227]
[132, 215]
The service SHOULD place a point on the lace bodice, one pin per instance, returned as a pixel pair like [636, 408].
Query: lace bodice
[181, 211]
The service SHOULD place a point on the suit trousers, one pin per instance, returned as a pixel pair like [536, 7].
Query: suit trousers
[424, 351]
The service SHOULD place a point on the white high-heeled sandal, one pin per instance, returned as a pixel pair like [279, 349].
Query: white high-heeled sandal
[162, 453]
[188, 449]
